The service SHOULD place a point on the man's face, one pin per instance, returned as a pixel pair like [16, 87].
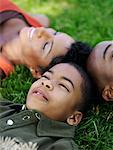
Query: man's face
[100, 63]
[41, 45]
[56, 93]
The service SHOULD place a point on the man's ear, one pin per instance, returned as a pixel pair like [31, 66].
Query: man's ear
[75, 118]
[107, 93]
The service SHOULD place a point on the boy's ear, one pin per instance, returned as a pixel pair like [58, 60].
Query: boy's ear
[107, 93]
[75, 118]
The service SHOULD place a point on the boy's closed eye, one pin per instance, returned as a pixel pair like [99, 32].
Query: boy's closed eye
[63, 86]
[60, 84]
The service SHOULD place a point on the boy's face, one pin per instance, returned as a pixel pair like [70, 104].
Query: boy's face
[41, 45]
[100, 64]
[56, 93]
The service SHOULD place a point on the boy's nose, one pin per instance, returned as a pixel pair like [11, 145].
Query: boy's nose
[47, 84]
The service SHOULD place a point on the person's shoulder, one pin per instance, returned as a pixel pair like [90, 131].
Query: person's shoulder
[74, 145]
[6, 106]
[5, 102]
[65, 144]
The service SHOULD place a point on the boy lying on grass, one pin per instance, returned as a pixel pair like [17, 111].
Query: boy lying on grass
[54, 106]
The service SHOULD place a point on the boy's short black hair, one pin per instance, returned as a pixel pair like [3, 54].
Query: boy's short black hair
[85, 101]
[77, 55]
[79, 52]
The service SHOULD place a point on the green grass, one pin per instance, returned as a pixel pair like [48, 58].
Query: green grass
[87, 20]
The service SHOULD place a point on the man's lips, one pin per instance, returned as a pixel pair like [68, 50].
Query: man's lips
[39, 92]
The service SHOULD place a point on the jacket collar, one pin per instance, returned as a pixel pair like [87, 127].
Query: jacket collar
[52, 128]
[49, 127]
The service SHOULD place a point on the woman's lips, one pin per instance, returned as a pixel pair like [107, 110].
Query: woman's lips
[40, 93]
[31, 32]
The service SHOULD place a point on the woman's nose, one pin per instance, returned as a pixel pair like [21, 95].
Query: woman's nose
[47, 84]
[43, 32]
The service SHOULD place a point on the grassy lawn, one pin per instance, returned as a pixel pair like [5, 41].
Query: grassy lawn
[87, 20]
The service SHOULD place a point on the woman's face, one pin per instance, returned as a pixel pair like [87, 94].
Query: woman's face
[41, 45]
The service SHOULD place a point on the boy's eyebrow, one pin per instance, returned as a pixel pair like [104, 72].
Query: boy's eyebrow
[104, 54]
[50, 71]
[65, 78]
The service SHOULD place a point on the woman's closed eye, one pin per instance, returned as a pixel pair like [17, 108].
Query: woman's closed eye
[63, 86]
[47, 47]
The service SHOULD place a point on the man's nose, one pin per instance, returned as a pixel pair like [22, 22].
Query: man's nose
[47, 84]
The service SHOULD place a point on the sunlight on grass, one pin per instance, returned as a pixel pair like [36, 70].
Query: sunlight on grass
[51, 8]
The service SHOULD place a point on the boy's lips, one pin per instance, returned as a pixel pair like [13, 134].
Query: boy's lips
[41, 93]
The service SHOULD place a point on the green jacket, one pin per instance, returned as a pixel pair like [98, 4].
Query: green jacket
[31, 126]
